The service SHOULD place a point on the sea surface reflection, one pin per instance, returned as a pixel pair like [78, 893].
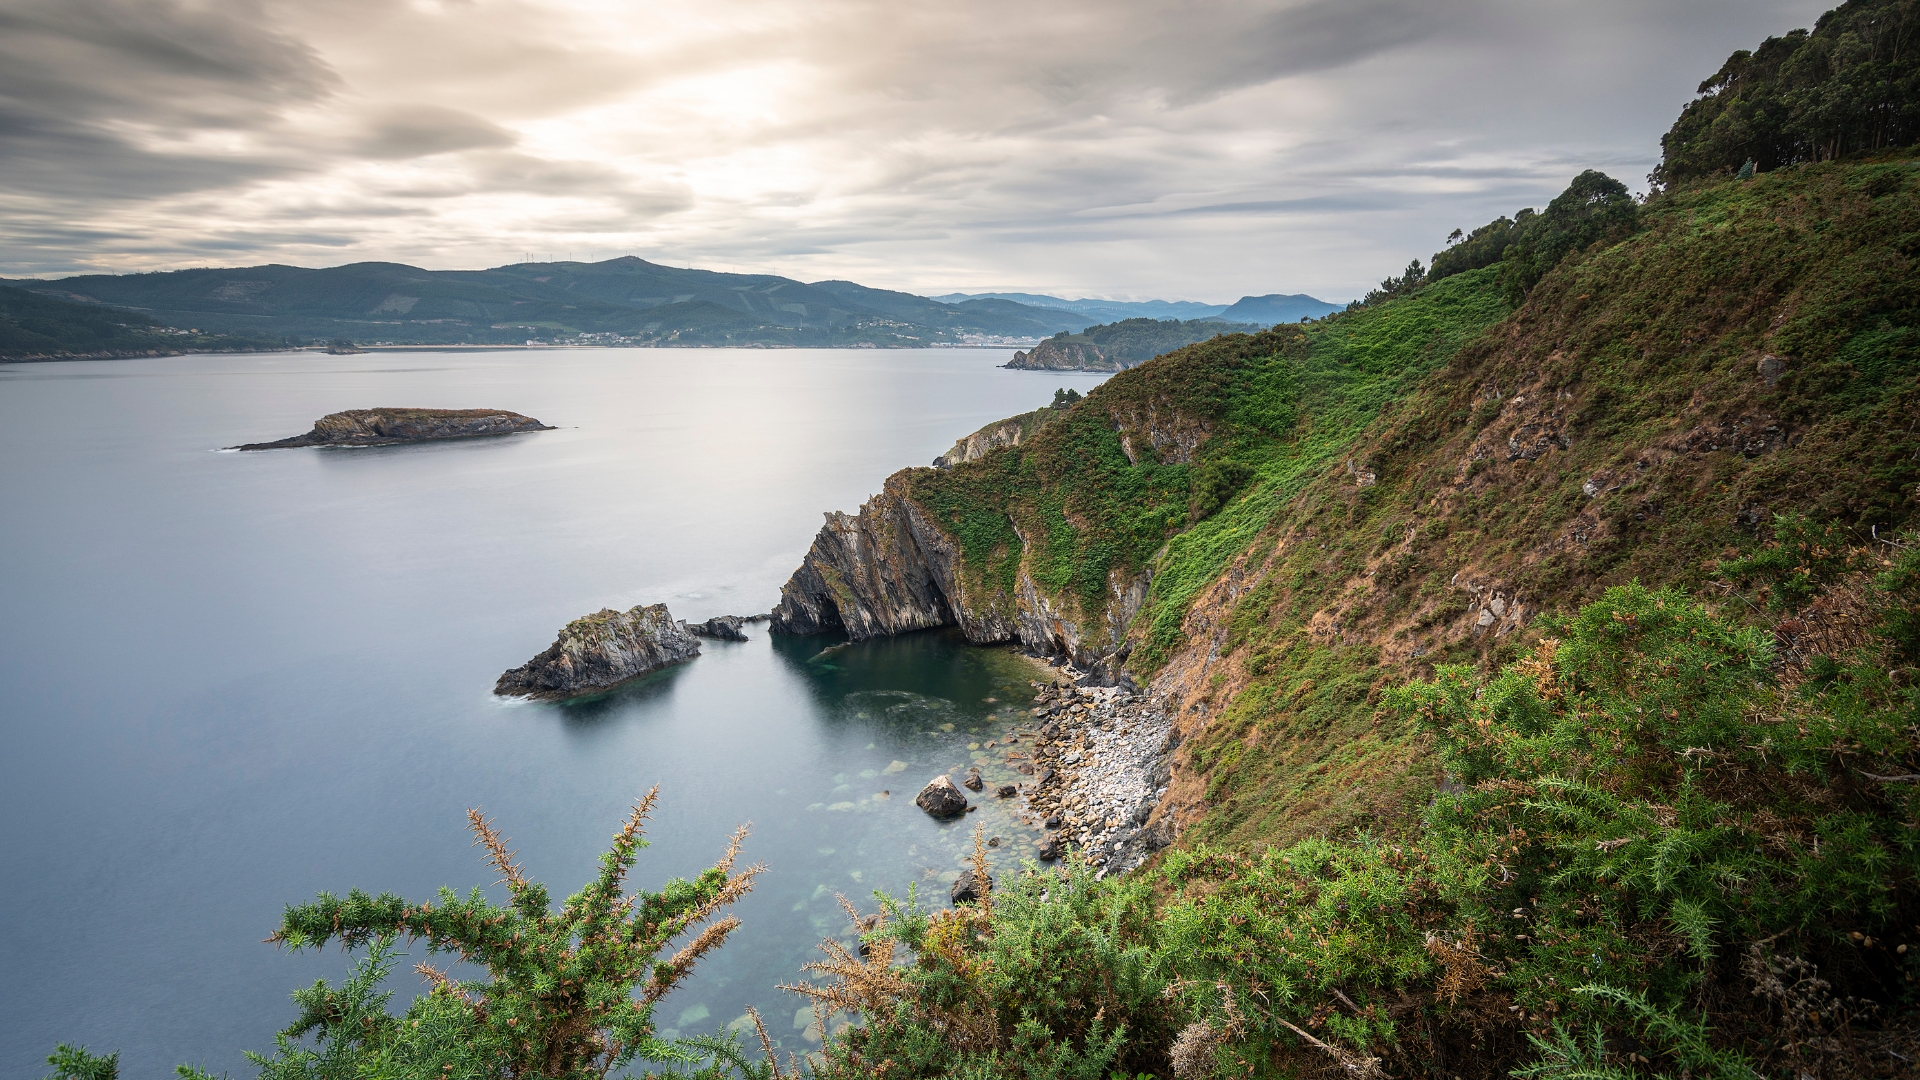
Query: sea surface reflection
[232, 681]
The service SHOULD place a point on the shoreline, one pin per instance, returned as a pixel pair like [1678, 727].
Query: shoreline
[1101, 759]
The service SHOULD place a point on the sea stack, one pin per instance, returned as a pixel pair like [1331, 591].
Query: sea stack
[602, 650]
[382, 427]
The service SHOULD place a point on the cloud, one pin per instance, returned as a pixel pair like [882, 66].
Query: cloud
[412, 131]
[1172, 148]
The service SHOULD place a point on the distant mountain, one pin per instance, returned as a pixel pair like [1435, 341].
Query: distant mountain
[1113, 310]
[620, 301]
[1276, 308]
[36, 327]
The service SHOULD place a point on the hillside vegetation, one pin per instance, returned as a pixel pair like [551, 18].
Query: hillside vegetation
[1121, 345]
[34, 327]
[1546, 672]
[619, 301]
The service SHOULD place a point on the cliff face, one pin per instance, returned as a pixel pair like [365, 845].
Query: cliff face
[378, 427]
[870, 574]
[1009, 432]
[891, 569]
[602, 650]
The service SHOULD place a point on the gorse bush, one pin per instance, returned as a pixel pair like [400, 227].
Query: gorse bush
[1050, 975]
[559, 1000]
[75, 1063]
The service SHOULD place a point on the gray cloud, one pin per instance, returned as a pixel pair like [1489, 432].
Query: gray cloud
[411, 131]
[1130, 147]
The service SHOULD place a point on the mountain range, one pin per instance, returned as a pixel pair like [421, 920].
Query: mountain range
[1264, 310]
[619, 301]
[625, 301]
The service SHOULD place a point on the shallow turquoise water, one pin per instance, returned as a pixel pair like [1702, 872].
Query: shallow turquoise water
[231, 681]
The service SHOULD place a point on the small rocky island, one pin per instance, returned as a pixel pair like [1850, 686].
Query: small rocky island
[601, 650]
[382, 427]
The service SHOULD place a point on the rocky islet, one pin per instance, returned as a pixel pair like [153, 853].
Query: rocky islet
[388, 426]
[602, 650]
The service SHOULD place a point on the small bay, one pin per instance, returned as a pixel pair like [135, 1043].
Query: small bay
[232, 681]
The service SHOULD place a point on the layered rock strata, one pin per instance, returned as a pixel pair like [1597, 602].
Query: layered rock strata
[602, 650]
[891, 569]
[1009, 432]
[381, 427]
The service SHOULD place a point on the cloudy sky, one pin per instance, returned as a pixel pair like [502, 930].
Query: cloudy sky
[1117, 148]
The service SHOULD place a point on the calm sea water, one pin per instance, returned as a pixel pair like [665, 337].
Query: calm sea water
[231, 681]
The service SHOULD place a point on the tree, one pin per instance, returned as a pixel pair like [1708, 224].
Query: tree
[1594, 207]
[558, 1001]
[1851, 85]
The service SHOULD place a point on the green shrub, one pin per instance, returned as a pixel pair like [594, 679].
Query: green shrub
[558, 1001]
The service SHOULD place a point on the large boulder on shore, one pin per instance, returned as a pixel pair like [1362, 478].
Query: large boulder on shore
[941, 799]
[601, 650]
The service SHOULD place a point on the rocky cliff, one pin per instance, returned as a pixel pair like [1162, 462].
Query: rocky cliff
[1009, 432]
[896, 567]
[1270, 531]
[379, 427]
[602, 650]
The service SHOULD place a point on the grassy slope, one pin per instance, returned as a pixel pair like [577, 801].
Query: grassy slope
[1271, 408]
[1645, 359]
[1636, 367]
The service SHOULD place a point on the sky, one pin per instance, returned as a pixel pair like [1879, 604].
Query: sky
[1126, 149]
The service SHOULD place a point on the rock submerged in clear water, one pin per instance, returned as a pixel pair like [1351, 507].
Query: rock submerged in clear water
[381, 427]
[941, 799]
[602, 650]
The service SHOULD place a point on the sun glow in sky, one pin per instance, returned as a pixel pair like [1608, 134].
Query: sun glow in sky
[1178, 150]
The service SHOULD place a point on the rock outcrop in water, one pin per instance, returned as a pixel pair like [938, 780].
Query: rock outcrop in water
[601, 650]
[720, 628]
[891, 569]
[941, 799]
[380, 427]
[875, 573]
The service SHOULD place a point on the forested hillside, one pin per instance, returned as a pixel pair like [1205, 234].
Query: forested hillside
[620, 301]
[34, 327]
[1121, 345]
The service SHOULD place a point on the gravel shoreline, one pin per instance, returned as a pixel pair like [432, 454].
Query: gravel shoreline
[1100, 760]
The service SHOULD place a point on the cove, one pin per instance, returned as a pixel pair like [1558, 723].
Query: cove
[232, 681]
